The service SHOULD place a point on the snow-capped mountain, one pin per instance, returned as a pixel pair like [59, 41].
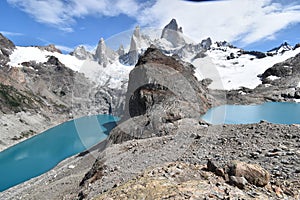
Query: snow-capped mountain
[229, 67]
[281, 49]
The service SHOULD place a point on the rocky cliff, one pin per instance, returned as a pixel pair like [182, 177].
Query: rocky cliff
[6, 48]
[38, 95]
[161, 90]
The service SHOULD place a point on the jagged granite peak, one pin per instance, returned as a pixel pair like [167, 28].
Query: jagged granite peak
[173, 26]
[296, 46]
[224, 44]
[138, 44]
[281, 49]
[121, 50]
[173, 34]
[134, 46]
[206, 43]
[136, 32]
[81, 53]
[6, 48]
[104, 55]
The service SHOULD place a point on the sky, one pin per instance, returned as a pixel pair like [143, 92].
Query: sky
[249, 24]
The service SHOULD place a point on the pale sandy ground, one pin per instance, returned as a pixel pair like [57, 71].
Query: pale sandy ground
[13, 125]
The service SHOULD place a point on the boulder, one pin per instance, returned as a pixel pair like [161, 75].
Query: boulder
[161, 90]
[253, 173]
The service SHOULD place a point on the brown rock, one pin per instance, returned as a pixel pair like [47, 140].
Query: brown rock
[213, 167]
[240, 182]
[253, 173]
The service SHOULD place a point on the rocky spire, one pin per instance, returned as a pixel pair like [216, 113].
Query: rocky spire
[81, 53]
[135, 44]
[121, 50]
[104, 54]
[173, 33]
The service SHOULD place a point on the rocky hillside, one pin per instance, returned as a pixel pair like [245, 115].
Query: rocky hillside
[280, 83]
[37, 95]
[162, 150]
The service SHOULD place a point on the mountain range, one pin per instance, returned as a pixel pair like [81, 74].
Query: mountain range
[159, 83]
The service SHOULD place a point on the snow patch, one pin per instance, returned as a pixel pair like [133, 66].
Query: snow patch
[272, 78]
[27, 54]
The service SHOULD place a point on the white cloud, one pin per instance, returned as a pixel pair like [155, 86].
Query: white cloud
[7, 33]
[63, 14]
[246, 21]
[64, 48]
[232, 20]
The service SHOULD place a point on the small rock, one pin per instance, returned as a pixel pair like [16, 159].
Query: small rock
[240, 182]
[272, 154]
[278, 191]
[254, 155]
[211, 166]
[71, 166]
[285, 162]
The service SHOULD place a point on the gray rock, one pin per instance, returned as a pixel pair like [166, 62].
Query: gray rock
[6, 48]
[240, 182]
[161, 90]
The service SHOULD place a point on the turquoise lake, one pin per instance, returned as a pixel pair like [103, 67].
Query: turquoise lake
[41, 153]
[274, 112]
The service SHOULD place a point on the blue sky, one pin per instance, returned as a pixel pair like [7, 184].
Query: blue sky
[253, 25]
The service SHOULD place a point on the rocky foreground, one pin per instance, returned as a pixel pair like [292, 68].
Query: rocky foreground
[161, 150]
[176, 166]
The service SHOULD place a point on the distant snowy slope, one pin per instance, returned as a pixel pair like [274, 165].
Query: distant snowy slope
[229, 67]
[26, 54]
[112, 76]
[240, 71]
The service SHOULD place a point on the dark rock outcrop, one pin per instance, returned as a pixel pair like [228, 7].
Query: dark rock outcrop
[257, 54]
[296, 46]
[161, 90]
[287, 68]
[50, 47]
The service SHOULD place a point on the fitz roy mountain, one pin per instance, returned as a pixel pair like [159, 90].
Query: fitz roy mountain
[84, 82]
[158, 83]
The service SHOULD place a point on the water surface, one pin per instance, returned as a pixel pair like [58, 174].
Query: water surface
[41, 153]
[274, 112]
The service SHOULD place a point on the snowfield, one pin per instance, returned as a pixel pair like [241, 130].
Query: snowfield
[26, 54]
[113, 76]
[239, 71]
